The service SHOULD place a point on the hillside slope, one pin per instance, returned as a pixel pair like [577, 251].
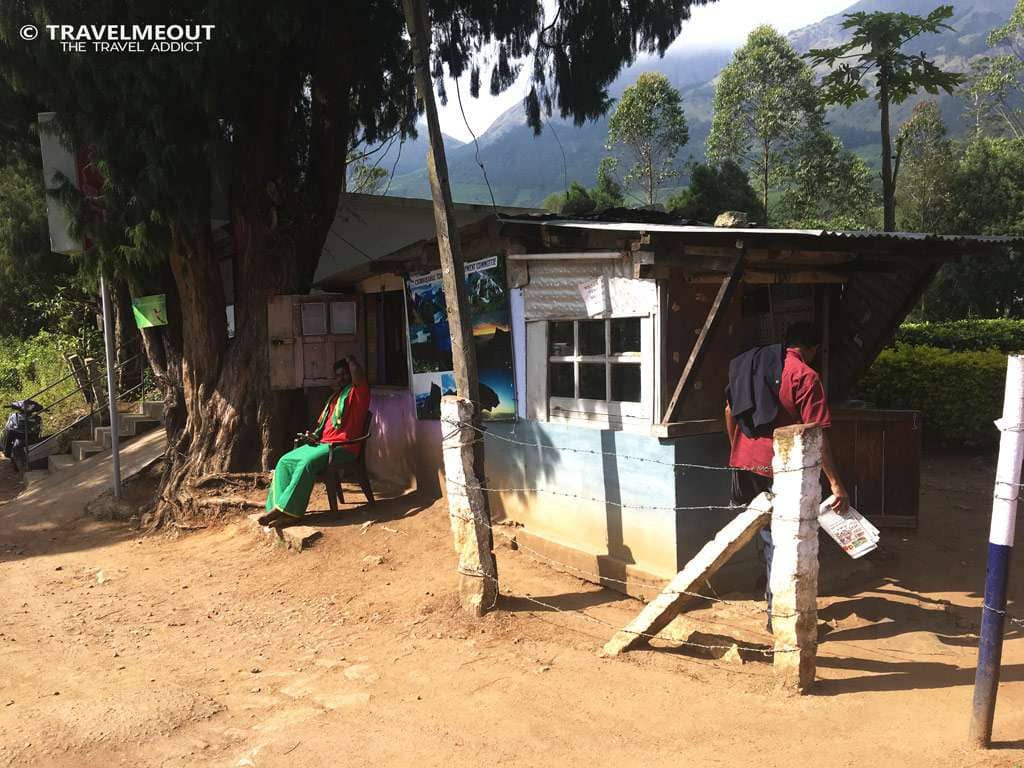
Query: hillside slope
[524, 169]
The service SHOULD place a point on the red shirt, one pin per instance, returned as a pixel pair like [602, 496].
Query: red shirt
[353, 419]
[801, 401]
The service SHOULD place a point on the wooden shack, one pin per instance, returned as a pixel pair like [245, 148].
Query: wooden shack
[622, 331]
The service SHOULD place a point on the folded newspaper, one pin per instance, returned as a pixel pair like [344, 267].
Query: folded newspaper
[850, 530]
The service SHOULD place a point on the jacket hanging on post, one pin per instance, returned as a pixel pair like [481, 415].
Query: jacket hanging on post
[753, 390]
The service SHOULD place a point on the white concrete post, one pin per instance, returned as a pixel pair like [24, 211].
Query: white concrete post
[471, 526]
[794, 574]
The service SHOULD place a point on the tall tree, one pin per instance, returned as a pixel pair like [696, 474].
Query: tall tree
[876, 49]
[649, 126]
[996, 84]
[927, 191]
[824, 185]
[278, 97]
[765, 102]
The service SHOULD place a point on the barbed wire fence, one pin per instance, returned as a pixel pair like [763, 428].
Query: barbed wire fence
[452, 429]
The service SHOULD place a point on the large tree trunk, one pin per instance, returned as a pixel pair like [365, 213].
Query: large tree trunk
[230, 420]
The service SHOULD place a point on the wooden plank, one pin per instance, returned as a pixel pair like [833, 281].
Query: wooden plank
[714, 316]
[763, 277]
[659, 613]
[686, 428]
[571, 255]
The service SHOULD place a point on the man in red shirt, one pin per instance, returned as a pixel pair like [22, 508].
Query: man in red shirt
[801, 400]
[343, 418]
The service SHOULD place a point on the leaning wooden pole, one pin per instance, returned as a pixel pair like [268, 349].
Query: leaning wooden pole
[478, 570]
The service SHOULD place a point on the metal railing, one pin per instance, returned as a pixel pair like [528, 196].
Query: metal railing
[86, 385]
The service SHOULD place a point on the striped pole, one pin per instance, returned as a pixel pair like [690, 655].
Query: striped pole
[1000, 546]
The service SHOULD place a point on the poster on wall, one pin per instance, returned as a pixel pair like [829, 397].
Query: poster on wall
[431, 340]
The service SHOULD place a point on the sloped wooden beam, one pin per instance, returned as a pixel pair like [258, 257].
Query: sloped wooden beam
[725, 294]
[659, 613]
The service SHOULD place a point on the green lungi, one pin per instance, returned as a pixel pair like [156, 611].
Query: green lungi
[294, 475]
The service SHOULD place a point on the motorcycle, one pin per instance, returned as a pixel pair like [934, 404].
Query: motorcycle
[24, 426]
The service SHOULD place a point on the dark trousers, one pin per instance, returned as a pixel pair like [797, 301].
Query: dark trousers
[747, 486]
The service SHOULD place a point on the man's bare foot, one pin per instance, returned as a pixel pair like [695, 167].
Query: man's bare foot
[270, 518]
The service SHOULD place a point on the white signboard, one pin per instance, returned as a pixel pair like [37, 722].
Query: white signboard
[595, 296]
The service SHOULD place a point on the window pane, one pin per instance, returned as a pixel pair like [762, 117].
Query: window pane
[592, 337]
[314, 319]
[592, 381]
[560, 342]
[626, 336]
[343, 317]
[560, 380]
[625, 383]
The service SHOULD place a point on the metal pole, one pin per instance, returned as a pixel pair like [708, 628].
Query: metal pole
[115, 427]
[1000, 547]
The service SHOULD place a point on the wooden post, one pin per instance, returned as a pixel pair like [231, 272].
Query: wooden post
[478, 587]
[794, 564]
[660, 612]
[1002, 532]
[477, 590]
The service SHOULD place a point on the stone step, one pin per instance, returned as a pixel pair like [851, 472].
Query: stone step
[57, 462]
[154, 409]
[83, 449]
[34, 476]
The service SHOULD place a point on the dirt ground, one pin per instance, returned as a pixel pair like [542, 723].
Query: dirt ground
[217, 648]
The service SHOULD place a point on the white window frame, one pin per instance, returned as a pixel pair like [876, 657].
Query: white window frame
[603, 413]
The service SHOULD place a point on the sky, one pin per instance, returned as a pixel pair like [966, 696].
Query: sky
[722, 24]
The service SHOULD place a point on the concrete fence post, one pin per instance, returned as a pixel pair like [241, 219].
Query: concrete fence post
[471, 526]
[1000, 547]
[794, 563]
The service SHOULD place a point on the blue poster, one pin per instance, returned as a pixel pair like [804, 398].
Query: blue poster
[431, 340]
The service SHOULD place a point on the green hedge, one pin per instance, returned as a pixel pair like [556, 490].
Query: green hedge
[29, 365]
[959, 394]
[1005, 335]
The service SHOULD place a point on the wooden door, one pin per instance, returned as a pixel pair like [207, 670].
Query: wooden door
[878, 454]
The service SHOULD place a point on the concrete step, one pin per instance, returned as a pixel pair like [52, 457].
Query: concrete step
[83, 449]
[154, 409]
[33, 477]
[60, 461]
[102, 435]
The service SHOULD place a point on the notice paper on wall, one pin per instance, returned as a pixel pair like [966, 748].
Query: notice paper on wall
[595, 296]
[853, 532]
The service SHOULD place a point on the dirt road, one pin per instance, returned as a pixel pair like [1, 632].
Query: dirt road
[219, 649]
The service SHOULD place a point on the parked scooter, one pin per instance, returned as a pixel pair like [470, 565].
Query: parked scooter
[24, 426]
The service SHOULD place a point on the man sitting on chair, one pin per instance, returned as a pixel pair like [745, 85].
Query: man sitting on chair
[343, 418]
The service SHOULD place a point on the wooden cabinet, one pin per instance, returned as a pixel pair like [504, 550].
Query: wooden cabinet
[307, 333]
[878, 454]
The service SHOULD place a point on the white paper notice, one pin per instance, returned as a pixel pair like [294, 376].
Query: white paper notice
[595, 296]
[851, 531]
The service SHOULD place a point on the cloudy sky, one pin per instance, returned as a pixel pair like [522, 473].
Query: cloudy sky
[723, 24]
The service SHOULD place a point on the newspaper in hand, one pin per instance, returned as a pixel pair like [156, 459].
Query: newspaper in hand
[850, 530]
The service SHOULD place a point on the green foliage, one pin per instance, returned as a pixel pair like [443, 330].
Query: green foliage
[927, 169]
[649, 126]
[876, 49]
[989, 200]
[367, 179]
[1006, 336]
[607, 193]
[824, 186]
[958, 393]
[714, 189]
[995, 87]
[765, 103]
[30, 365]
[577, 201]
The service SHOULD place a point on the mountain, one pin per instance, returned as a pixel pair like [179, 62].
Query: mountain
[523, 169]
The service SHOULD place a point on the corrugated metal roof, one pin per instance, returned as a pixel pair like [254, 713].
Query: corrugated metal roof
[730, 233]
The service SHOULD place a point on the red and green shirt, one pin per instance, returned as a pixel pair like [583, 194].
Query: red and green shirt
[344, 417]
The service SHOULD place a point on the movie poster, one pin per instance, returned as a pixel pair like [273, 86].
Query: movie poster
[431, 339]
